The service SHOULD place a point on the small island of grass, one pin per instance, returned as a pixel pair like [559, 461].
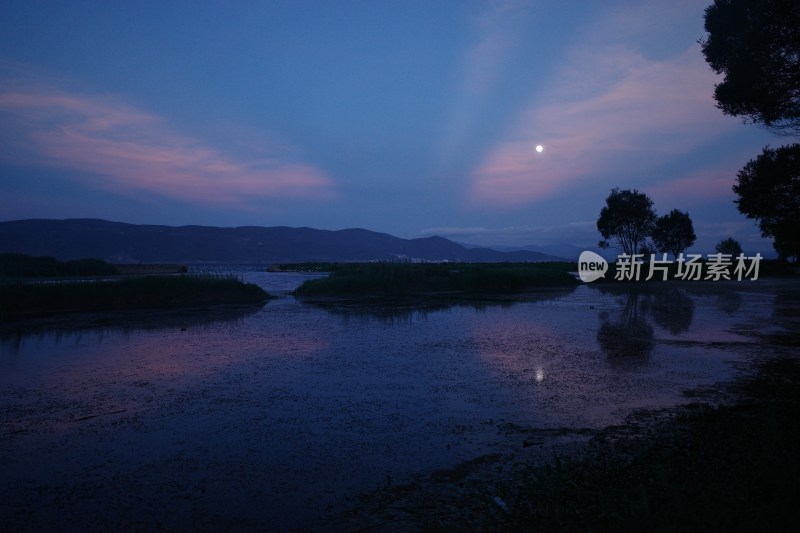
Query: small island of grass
[20, 297]
[407, 279]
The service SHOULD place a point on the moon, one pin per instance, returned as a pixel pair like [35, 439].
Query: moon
[539, 148]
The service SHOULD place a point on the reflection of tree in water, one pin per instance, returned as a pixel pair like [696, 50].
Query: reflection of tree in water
[409, 309]
[673, 310]
[627, 336]
[729, 301]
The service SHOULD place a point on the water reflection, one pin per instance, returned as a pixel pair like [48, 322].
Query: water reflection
[729, 301]
[73, 328]
[673, 310]
[627, 335]
[298, 405]
[411, 309]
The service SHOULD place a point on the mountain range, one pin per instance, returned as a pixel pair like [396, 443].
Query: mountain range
[118, 242]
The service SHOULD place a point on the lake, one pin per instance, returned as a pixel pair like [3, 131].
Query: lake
[275, 417]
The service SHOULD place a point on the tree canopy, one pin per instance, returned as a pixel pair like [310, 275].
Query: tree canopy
[729, 246]
[628, 217]
[756, 45]
[674, 232]
[768, 190]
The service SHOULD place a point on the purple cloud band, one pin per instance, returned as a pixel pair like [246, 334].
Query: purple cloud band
[115, 146]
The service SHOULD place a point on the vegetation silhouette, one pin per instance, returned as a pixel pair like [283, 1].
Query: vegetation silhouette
[628, 217]
[673, 233]
[28, 300]
[728, 246]
[768, 190]
[384, 279]
[755, 44]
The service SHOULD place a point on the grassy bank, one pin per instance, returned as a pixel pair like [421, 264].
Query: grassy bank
[26, 266]
[20, 300]
[403, 279]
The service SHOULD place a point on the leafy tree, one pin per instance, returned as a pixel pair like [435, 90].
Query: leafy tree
[729, 246]
[768, 189]
[647, 249]
[756, 45]
[674, 232]
[628, 217]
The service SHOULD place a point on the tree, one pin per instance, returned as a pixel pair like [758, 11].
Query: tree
[768, 189]
[628, 217]
[729, 246]
[756, 45]
[647, 249]
[674, 232]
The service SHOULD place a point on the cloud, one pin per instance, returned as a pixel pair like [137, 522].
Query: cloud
[609, 109]
[699, 186]
[624, 102]
[497, 31]
[116, 147]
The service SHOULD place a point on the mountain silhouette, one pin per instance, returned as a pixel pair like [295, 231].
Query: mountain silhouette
[119, 242]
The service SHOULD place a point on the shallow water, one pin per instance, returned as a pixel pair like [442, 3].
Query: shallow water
[267, 418]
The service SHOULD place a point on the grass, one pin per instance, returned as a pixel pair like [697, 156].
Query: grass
[21, 300]
[403, 279]
[26, 266]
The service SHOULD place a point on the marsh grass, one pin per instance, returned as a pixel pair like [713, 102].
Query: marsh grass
[19, 300]
[402, 279]
[26, 266]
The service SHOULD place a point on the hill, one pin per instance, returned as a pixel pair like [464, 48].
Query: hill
[117, 242]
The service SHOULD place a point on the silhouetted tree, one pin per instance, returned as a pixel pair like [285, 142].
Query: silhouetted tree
[756, 45]
[729, 246]
[674, 232]
[647, 249]
[628, 217]
[768, 189]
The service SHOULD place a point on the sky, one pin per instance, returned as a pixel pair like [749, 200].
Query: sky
[413, 118]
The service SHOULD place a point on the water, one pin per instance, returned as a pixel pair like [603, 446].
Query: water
[254, 418]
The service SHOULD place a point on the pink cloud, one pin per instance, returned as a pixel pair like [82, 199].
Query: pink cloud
[610, 110]
[706, 184]
[117, 147]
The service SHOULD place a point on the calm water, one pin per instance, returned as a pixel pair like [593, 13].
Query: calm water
[266, 417]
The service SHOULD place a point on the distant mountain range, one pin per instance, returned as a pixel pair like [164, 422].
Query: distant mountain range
[118, 242]
[568, 252]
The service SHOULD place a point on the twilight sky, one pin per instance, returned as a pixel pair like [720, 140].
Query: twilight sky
[413, 118]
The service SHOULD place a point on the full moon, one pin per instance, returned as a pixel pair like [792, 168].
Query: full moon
[539, 148]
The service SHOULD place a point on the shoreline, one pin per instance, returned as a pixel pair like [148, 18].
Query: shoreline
[723, 459]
